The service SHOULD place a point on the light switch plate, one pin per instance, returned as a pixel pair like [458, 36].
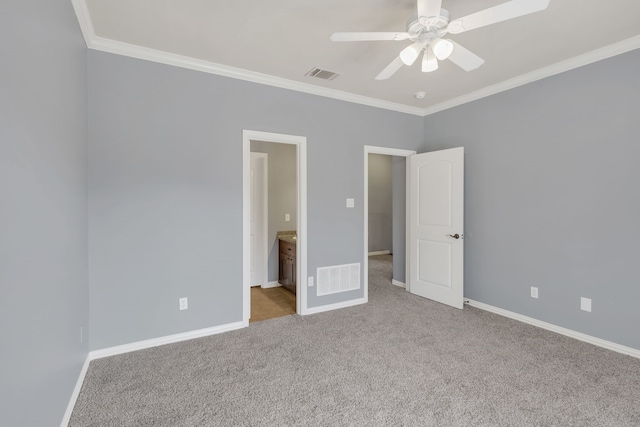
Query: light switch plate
[350, 203]
[585, 304]
[287, 217]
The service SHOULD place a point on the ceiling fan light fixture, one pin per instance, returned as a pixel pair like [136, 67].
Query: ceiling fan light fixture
[429, 61]
[432, 22]
[410, 53]
[442, 49]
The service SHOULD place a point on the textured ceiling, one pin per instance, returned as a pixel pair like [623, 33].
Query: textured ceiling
[287, 38]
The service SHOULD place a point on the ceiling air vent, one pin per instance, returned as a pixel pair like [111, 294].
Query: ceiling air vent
[319, 73]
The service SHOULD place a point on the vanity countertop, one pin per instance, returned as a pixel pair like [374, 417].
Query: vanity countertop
[288, 236]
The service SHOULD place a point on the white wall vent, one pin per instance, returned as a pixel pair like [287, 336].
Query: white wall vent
[338, 278]
[319, 73]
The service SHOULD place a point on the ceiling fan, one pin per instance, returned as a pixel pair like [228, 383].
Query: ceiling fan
[427, 29]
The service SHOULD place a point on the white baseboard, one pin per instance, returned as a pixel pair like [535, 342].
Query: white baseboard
[139, 345]
[271, 285]
[629, 351]
[76, 392]
[336, 306]
[397, 283]
[154, 342]
[374, 253]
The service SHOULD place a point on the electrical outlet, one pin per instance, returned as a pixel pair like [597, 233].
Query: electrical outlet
[287, 217]
[350, 203]
[184, 303]
[585, 304]
[534, 292]
[310, 281]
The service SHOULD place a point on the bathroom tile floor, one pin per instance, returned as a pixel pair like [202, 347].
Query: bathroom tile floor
[271, 303]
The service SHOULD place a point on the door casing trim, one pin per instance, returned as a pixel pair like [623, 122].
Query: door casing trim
[301, 245]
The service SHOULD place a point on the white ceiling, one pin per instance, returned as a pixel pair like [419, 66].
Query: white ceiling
[287, 38]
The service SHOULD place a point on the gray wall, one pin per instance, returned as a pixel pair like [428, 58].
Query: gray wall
[552, 196]
[165, 162]
[282, 195]
[399, 183]
[43, 213]
[380, 203]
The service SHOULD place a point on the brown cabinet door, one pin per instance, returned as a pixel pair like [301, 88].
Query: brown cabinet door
[287, 268]
[290, 274]
[281, 271]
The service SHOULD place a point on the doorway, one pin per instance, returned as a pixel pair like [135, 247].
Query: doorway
[297, 145]
[391, 238]
[273, 204]
[434, 223]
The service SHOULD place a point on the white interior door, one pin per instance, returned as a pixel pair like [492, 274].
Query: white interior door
[435, 214]
[257, 232]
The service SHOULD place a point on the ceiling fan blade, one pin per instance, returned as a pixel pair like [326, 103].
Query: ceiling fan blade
[390, 69]
[429, 8]
[464, 58]
[499, 13]
[360, 37]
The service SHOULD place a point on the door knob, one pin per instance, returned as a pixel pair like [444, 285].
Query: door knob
[455, 236]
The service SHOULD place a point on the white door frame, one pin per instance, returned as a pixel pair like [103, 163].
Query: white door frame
[264, 183]
[371, 149]
[301, 245]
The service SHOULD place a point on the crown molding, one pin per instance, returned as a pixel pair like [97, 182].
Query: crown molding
[84, 19]
[125, 49]
[133, 51]
[551, 70]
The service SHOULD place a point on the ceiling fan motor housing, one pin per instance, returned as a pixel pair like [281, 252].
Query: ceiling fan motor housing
[426, 29]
